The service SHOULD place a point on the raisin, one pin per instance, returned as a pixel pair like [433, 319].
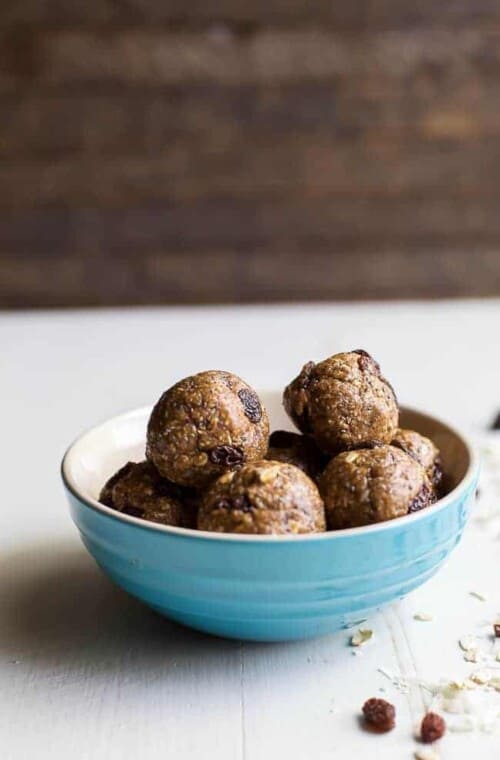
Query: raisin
[432, 728]
[379, 714]
[129, 509]
[251, 404]
[366, 362]
[423, 498]
[437, 476]
[496, 630]
[228, 456]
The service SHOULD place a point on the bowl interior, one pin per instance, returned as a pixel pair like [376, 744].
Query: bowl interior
[96, 455]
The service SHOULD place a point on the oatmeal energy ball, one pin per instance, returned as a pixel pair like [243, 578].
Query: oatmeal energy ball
[423, 450]
[343, 402]
[205, 425]
[138, 490]
[372, 485]
[263, 497]
[298, 450]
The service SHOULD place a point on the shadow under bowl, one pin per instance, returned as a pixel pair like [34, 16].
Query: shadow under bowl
[264, 588]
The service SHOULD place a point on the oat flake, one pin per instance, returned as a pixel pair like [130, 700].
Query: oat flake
[467, 643]
[361, 637]
[426, 753]
[470, 655]
[479, 595]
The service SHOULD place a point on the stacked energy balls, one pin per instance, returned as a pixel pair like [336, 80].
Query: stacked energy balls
[211, 464]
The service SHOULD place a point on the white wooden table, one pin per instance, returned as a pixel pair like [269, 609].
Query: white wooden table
[86, 672]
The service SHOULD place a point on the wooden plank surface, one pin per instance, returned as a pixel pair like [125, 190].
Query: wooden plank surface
[232, 276]
[152, 56]
[365, 224]
[142, 142]
[353, 15]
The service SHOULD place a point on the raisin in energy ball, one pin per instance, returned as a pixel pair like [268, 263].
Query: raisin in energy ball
[298, 450]
[204, 425]
[423, 450]
[343, 402]
[138, 490]
[372, 485]
[263, 497]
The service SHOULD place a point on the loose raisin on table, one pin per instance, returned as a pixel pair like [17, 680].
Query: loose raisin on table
[432, 728]
[496, 630]
[379, 714]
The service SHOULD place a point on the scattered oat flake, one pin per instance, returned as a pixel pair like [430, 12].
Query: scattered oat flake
[425, 753]
[449, 696]
[452, 687]
[361, 637]
[480, 677]
[479, 595]
[470, 655]
[495, 683]
[423, 616]
[385, 673]
[467, 642]
[497, 658]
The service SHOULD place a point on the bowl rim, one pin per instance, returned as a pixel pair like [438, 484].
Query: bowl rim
[440, 505]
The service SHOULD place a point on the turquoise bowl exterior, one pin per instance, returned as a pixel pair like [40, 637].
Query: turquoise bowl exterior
[269, 588]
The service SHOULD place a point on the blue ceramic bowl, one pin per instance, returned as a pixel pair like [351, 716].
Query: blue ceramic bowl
[266, 588]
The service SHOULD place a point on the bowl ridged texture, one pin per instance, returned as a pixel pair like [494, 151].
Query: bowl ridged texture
[270, 591]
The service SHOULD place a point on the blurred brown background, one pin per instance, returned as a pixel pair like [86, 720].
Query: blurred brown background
[156, 151]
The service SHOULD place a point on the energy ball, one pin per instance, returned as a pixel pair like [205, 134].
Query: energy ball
[372, 485]
[298, 450]
[343, 402]
[205, 425]
[263, 497]
[424, 451]
[138, 490]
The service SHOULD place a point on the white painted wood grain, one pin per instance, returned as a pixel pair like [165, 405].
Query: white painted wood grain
[87, 672]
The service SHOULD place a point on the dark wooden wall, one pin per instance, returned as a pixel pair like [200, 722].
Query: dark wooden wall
[162, 151]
